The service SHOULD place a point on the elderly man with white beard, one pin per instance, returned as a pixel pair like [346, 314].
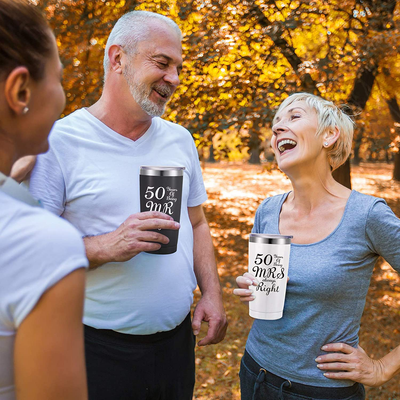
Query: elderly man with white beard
[139, 336]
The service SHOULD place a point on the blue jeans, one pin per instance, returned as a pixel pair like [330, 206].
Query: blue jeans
[258, 384]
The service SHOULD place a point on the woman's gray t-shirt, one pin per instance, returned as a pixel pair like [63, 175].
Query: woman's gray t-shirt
[326, 292]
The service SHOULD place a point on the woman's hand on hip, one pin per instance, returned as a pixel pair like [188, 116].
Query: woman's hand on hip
[346, 362]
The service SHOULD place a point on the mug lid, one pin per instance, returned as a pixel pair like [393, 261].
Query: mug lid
[270, 238]
[161, 171]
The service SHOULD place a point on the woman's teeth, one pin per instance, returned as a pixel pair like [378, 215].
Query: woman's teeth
[286, 144]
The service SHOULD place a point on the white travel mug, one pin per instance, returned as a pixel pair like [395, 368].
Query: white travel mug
[269, 263]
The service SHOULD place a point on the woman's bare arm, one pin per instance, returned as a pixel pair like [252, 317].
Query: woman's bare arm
[49, 349]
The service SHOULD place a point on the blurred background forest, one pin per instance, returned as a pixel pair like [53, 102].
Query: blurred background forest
[243, 57]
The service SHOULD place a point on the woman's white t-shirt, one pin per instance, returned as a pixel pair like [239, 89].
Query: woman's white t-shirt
[37, 249]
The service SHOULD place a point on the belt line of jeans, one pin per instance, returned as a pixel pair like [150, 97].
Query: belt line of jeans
[260, 378]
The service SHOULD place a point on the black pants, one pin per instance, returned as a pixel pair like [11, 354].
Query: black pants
[140, 367]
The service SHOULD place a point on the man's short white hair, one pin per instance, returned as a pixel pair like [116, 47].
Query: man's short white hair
[329, 116]
[131, 29]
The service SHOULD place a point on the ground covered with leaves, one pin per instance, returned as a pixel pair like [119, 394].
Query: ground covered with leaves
[235, 191]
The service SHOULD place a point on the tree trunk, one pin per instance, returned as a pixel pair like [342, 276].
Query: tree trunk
[363, 85]
[254, 144]
[211, 158]
[395, 113]
[356, 152]
[396, 169]
[394, 109]
[357, 145]
[254, 156]
[342, 174]
[358, 98]
[383, 14]
[387, 155]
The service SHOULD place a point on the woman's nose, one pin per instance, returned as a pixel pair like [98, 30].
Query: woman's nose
[279, 128]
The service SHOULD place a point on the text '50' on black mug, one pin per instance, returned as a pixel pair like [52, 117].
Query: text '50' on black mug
[161, 190]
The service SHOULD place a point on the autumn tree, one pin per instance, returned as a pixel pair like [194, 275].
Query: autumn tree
[353, 37]
[242, 58]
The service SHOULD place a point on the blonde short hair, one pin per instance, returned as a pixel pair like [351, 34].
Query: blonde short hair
[329, 116]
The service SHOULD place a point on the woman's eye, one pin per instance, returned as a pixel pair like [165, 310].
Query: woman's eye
[162, 65]
[294, 116]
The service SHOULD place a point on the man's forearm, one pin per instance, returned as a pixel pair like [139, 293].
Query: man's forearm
[209, 308]
[205, 267]
[96, 251]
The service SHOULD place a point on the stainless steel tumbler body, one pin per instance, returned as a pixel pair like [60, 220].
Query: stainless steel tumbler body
[269, 263]
[161, 190]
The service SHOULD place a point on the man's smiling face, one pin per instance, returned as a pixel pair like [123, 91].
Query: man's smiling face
[153, 71]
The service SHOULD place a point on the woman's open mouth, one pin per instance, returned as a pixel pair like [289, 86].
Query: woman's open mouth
[286, 144]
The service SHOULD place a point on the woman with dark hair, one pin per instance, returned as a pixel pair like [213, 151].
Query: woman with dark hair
[312, 352]
[42, 257]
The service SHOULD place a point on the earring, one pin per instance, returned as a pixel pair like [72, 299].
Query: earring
[25, 110]
[326, 144]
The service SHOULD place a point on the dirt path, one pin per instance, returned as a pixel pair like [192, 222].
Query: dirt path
[235, 191]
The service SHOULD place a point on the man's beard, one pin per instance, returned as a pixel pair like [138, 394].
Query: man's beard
[140, 92]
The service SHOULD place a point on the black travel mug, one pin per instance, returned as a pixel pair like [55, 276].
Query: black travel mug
[161, 190]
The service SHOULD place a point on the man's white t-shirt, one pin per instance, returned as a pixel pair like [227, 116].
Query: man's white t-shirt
[90, 177]
[37, 249]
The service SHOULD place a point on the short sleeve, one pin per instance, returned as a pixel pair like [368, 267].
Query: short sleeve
[198, 194]
[383, 233]
[49, 249]
[47, 183]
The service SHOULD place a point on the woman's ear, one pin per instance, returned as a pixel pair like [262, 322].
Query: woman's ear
[330, 137]
[17, 90]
